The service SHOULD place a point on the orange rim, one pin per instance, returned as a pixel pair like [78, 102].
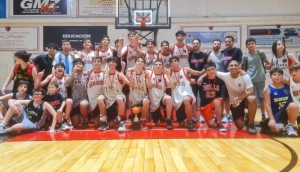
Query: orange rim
[143, 19]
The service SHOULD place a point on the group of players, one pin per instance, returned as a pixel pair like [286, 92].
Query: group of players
[109, 80]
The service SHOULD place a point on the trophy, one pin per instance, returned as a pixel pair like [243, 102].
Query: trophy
[136, 125]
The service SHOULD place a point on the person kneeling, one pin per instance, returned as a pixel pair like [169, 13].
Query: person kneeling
[279, 105]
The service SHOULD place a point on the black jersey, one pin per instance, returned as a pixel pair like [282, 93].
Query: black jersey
[54, 100]
[35, 113]
[211, 89]
[197, 61]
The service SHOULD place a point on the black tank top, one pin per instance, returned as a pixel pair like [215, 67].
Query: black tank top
[35, 113]
[23, 75]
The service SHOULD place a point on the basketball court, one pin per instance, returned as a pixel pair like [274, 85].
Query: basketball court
[156, 149]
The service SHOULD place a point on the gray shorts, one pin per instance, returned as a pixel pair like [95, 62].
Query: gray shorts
[23, 119]
[259, 88]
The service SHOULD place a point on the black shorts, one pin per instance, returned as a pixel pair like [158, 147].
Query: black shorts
[238, 112]
[169, 91]
[125, 89]
[180, 113]
[112, 112]
[156, 115]
[96, 112]
[75, 110]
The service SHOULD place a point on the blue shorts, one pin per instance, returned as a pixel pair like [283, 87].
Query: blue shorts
[26, 123]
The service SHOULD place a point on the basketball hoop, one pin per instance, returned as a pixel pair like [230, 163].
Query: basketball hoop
[143, 20]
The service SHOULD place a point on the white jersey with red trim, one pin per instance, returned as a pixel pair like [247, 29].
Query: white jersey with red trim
[95, 87]
[182, 87]
[105, 55]
[165, 59]
[131, 55]
[159, 86]
[88, 60]
[139, 92]
[295, 91]
[61, 85]
[112, 88]
[150, 59]
[283, 63]
[183, 54]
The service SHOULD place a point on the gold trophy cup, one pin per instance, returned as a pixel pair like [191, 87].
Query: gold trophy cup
[136, 125]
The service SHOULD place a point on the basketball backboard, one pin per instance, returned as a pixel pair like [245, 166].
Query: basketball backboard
[143, 14]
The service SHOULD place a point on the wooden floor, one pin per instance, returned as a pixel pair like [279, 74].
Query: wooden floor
[149, 155]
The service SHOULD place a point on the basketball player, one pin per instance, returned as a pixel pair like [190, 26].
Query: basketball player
[95, 91]
[182, 94]
[114, 97]
[241, 95]
[181, 50]
[160, 80]
[79, 107]
[128, 51]
[138, 95]
[87, 54]
[279, 105]
[31, 119]
[105, 51]
[211, 93]
[294, 83]
[150, 55]
[165, 54]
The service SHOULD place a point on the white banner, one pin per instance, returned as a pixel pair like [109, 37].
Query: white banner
[19, 38]
[99, 8]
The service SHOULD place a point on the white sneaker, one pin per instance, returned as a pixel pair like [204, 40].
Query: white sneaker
[224, 119]
[291, 130]
[201, 119]
[64, 127]
[122, 126]
[229, 117]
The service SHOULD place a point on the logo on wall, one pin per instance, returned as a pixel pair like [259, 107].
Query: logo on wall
[7, 28]
[40, 7]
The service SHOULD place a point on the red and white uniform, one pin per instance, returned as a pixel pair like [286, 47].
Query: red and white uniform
[88, 60]
[183, 54]
[95, 88]
[139, 92]
[112, 88]
[159, 86]
[105, 55]
[131, 55]
[182, 87]
[283, 63]
[150, 59]
[295, 92]
[165, 59]
[61, 85]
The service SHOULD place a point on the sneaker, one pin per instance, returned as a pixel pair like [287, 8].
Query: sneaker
[118, 120]
[195, 119]
[64, 127]
[221, 128]
[174, 119]
[100, 117]
[144, 125]
[157, 123]
[201, 119]
[57, 126]
[190, 126]
[263, 117]
[122, 126]
[103, 126]
[2, 130]
[291, 130]
[224, 119]
[169, 124]
[84, 126]
[229, 118]
[252, 129]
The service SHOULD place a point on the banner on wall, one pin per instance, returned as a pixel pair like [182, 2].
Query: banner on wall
[75, 34]
[18, 38]
[38, 8]
[3, 9]
[99, 8]
[266, 35]
[207, 36]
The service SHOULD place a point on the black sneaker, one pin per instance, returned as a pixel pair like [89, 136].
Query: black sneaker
[195, 119]
[263, 117]
[221, 128]
[169, 124]
[252, 129]
[103, 126]
[191, 126]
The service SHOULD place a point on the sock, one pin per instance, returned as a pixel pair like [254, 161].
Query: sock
[3, 124]
[104, 118]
